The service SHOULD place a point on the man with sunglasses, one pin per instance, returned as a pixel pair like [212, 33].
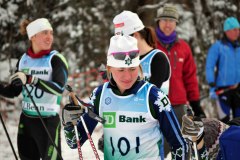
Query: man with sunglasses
[183, 82]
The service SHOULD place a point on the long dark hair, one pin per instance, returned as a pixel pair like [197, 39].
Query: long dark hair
[149, 35]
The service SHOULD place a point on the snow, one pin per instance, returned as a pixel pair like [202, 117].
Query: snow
[11, 126]
[11, 123]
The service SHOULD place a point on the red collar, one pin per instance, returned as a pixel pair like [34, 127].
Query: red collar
[37, 55]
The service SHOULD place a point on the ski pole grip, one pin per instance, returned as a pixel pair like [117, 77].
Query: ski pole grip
[72, 95]
[191, 116]
[189, 113]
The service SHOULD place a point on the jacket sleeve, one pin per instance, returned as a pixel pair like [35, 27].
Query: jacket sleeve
[190, 74]
[158, 76]
[202, 153]
[211, 62]
[169, 125]
[10, 91]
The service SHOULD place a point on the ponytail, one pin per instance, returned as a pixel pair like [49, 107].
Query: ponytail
[149, 35]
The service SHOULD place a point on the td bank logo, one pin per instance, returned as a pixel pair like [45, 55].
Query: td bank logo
[110, 118]
[41, 72]
[25, 70]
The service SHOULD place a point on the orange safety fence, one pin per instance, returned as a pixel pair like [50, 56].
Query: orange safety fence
[83, 83]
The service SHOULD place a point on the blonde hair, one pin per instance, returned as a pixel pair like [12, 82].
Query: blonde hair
[141, 72]
[23, 26]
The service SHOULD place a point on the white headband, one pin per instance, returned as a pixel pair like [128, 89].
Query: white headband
[37, 26]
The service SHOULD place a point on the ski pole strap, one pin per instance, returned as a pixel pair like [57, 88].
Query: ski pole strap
[200, 138]
[189, 112]
[90, 112]
[88, 107]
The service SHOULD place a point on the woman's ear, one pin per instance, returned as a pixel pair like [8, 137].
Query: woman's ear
[136, 35]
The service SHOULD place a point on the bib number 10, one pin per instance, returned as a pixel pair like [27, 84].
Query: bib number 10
[124, 140]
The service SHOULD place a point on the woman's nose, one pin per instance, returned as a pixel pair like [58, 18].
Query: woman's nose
[127, 75]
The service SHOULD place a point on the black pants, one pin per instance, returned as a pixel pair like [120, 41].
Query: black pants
[228, 101]
[33, 141]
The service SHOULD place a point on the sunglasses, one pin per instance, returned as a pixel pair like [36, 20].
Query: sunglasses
[122, 55]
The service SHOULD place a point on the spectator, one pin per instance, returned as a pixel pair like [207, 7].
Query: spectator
[223, 71]
[183, 82]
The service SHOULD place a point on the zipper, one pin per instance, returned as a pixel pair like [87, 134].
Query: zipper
[175, 60]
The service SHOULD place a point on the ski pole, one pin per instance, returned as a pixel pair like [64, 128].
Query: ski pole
[5, 129]
[190, 115]
[78, 142]
[90, 112]
[86, 106]
[195, 150]
[75, 124]
[44, 125]
[221, 91]
[77, 102]
[90, 139]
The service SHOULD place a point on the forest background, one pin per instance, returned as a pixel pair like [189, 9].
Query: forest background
[82, 30]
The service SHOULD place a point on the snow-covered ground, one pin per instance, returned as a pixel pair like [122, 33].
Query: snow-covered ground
[11, 123]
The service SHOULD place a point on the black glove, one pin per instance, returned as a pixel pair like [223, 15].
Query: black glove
[20, 78]
[103, 72]
[71, 114]
[101, 143]
[197, 109]
[104, 75]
